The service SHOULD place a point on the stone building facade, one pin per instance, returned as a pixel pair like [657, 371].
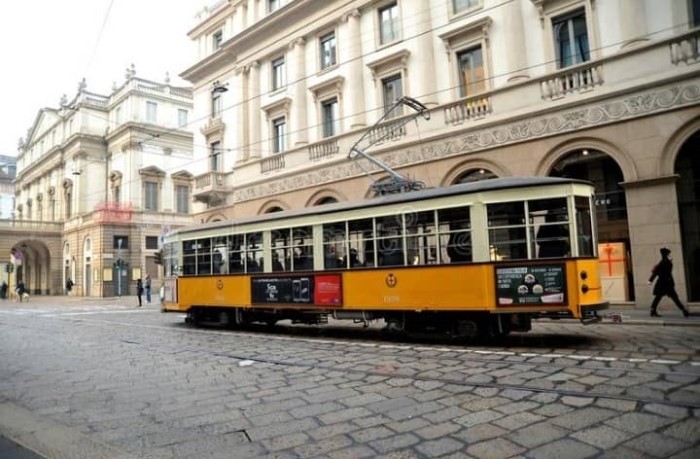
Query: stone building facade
[606, 91]
[99, 180]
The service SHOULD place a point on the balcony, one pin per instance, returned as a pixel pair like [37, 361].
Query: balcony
[211, 188]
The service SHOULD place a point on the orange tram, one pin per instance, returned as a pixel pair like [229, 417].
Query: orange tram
[470, 260]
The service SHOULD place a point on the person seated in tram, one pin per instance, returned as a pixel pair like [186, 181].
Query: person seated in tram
[276, 263]
[354, 261]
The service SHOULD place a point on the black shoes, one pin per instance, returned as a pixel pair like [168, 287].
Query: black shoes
[655, 314]
[686, 313]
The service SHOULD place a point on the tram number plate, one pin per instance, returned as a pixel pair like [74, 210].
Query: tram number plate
[531, 285]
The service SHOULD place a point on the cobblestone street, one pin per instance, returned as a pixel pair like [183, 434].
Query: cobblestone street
[106, 379]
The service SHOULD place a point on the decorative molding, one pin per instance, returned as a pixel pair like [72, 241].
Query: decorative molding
[52, 190]
[477, 29]
[395, 60]
[152, 171]
[115, 177]
[615, 110]
[329, 87]
[278, 106]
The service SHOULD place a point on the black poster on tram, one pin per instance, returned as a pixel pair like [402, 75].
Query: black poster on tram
[531, 285]
[318, 289]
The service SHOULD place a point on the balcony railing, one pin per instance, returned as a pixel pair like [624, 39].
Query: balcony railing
[272, 163]
[467, 109]
[685, 49]
[209, 180]
[574, 80]
[323, 150]
[30, 225]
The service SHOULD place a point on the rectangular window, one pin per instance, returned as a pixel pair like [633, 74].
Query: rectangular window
[571, 38]
[217, 39]
[463, 5]
[330, 117]
[454, 226]
[151, 242]
[181, 117]
[278, 80]
[116, 194]
[215, 155]
[151, 112]
[392, 90]
[695, 13]
[273, 5]
[216, 104]
[507, 234]
[471, 72]
[118, 115]
[388, 23]
[182, 197]
[334, 242]
[124, 242]
[278, 133]
[549, 228]
[327, 50]
[421, 240]
[151, 195]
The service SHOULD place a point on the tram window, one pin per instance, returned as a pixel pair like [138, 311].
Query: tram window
[189, 259]
[220, 255]
[203, 256]
[389, 241]
[549, 227]
[361, 238]
[236, 254]
[507, 236]
[421, 241]
[333, 245]
[584, 227]
[281, 247]
[454, 226]
[303, 251]
[254, 252]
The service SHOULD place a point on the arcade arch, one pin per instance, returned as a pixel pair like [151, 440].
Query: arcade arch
[687, 168]
[35, 267]
[584, 161]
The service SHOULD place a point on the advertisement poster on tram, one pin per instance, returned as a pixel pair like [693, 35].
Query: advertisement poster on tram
[321, 290]
[531, 285]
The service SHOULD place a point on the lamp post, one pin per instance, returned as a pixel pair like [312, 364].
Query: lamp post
[119, 267]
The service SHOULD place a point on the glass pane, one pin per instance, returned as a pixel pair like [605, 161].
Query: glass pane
[254, 252]
[361, 237]
[584, 228]
[507, 244]
[505, 214]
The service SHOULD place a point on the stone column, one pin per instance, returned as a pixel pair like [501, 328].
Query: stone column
[654, 223]
[254, 146]
[299, 128]
[422, 85]
[241, 116]
[633, 22]
[515, 42]
[354, 93]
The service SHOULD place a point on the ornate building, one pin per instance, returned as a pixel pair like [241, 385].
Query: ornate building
[99, 180]
[606, 91]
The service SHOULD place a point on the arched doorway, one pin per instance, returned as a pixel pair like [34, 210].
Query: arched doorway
[34, 269]
[688, 192]
[611, 214]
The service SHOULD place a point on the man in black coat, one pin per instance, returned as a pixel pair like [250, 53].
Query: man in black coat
[664, 284]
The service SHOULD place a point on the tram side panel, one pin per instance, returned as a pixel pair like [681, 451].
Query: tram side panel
[466, 287]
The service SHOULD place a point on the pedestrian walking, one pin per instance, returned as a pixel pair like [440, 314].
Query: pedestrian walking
[665, 286]
[148, 288]
[3, 290]
[69, 286]
[139, 290]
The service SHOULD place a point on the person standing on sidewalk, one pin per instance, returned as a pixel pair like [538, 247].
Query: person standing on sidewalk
[139, 290]
[148, 288]
[69, 286]
[665, 286]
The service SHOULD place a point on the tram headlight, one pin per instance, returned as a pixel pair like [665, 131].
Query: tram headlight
[584, 288]
[584, 275]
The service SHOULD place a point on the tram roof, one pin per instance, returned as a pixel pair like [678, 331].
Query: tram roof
[461, 188]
